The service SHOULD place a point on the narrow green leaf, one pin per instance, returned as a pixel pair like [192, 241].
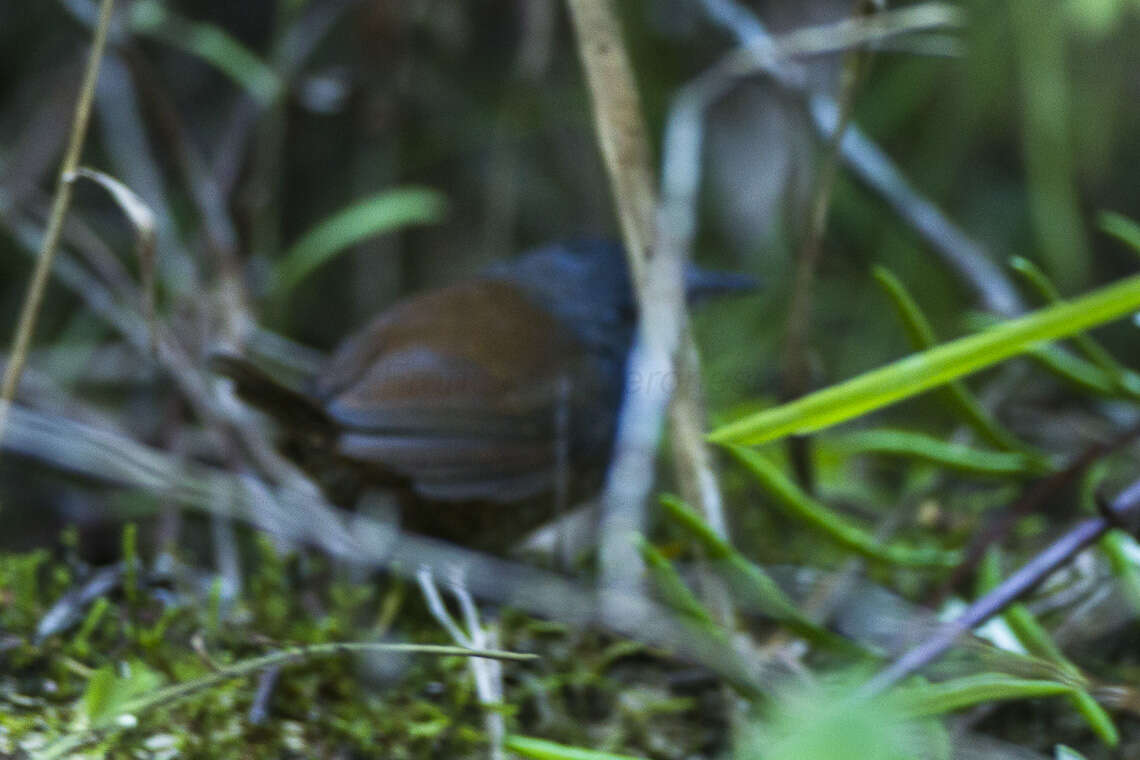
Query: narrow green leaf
[935, 699]
[921, 372]
[211, 44]
[1037, 641]
[366, 218]
[1082, 375]
[673, 589]
[97, 696]
[836, 527]
[109, 695]
[1097, 717]
[1062, 364]
[1118, 545]
[80, 644]
[955, 456]
[685, 516]
[748, 580]
[1120, 227]
[957, 395]
[1127, 381]
[540, 749]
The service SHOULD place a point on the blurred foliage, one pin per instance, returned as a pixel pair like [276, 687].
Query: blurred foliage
[299, 155]
[584, 687]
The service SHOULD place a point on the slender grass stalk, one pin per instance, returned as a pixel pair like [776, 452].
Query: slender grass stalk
[957, 396]
[33, 300]
[929, 369]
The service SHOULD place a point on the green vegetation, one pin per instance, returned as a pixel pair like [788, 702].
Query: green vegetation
[935, 389]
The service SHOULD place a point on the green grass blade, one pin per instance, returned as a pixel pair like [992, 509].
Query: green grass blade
[750, 583]
[833, 525]
[1120, 227]
[920, 372]
[212, 45]
[540, 749]
[955, 456]
[935, 699]
[366, 218]
[1083, 376]
[1063, 364]
[1093, 351]
[1118, 545]
[673, 589]
[1037, 641]
[958, 397]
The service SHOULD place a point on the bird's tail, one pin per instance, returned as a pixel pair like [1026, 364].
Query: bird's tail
[293, 409]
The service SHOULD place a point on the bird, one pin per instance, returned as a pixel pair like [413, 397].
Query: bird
[475, 401]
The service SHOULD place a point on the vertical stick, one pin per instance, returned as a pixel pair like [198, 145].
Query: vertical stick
[621, 129]
[35, 295]
[624, 142]
[664, 354]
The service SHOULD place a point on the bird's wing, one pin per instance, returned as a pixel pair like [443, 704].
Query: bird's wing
[460, 391]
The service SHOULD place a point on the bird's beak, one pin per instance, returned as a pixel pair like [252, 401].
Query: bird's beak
[701, 284]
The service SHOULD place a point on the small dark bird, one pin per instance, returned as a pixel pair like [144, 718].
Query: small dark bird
[474, 399]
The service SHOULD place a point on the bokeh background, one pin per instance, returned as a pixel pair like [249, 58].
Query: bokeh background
[245, 126]
[308, 162]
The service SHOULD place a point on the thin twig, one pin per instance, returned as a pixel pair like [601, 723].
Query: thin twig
[174, 358]
[620, 125]
[1000, 525]
[676, 227]
[665, 348]
[624, 142]
[488, 679]
[266, 683]
[657, 241]
[34, 298]
[965, 256]
[796, 370]
[1121, 511]
[304, 517]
